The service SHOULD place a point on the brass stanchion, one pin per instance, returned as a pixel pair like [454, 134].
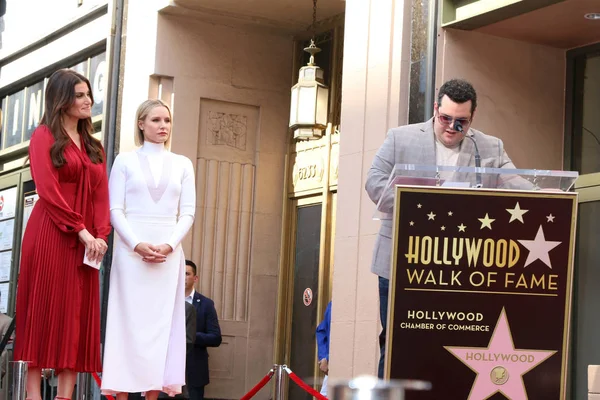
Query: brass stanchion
[279, 382]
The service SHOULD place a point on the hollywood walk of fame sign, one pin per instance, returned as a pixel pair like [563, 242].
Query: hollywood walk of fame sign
[481, 292]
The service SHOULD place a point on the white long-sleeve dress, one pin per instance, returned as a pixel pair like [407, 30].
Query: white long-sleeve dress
[152, 199]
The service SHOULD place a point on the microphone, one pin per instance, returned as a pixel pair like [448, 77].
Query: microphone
[459, 128]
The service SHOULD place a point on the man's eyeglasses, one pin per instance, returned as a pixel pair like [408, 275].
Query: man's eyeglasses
[448, 120]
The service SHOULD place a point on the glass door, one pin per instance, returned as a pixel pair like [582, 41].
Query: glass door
[17, 197]
[305, 296]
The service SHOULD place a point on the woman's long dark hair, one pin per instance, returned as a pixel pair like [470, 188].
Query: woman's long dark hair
[60, 94]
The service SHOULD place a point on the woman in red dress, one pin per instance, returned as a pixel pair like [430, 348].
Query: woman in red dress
[58, 302]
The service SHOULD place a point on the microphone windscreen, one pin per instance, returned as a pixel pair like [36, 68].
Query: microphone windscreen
[458, 126]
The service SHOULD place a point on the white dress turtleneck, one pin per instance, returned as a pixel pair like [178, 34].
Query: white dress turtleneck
[152, 199]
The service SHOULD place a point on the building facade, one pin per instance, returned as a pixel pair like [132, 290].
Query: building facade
[64, 34]
[283, 225]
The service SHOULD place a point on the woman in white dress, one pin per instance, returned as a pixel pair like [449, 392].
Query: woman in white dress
[152, 203]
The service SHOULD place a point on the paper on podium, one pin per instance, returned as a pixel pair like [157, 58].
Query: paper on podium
[414, 180]
[385, 206]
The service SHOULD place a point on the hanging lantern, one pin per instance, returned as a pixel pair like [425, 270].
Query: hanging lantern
[310, 97]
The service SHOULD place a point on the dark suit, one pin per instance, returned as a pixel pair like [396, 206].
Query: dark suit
[208, 334]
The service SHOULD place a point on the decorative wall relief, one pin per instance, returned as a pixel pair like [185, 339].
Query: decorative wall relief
[227, 129]
[222, 234]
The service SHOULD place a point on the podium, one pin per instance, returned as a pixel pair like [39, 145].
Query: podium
[481, 280]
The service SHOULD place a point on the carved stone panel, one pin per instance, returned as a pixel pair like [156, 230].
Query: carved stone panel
[228, 131]
[225, 129]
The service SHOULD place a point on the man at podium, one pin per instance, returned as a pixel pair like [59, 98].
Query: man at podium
[438, 141]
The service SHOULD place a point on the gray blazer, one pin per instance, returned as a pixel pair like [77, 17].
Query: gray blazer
[415, 144]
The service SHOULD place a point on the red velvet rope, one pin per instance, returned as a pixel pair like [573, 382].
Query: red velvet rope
[99, 383]
[304, 386]
[258, 386]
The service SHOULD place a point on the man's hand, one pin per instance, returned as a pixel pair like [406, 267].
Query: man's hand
[324, 366]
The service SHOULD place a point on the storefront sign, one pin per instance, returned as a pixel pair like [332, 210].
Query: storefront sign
[23, 110]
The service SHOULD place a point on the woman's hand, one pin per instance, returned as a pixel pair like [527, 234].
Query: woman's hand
[103, 247]
[162, 249]
[149, 253]
[93, 249]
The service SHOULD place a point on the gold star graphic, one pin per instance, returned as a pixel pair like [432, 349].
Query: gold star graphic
[486, 222]
[516, 214]
[431, 216]
[550, 218]
[419, 205]
[443, 228]
[462, 227]
[412, 223]
[450, 213]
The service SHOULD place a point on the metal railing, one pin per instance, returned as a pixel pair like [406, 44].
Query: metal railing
[13, 384]
[360, 388]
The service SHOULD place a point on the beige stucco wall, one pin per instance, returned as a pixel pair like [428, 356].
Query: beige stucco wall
[224, 70]
[374, 99]
[137, 65]
[520, 92]
[230, 95]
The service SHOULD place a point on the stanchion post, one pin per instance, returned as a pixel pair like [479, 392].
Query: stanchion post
[279, 382]
[19, 380]
[83, 386]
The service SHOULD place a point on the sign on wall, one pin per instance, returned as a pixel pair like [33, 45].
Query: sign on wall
[34, 108]
[22, 111]
[8, 203]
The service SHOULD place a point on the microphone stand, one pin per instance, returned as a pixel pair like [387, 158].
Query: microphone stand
[458, 127]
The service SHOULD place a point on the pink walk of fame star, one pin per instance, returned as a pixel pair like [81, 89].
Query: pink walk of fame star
[499, 367]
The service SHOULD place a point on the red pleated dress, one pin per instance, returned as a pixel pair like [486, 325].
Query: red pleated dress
[58, 299]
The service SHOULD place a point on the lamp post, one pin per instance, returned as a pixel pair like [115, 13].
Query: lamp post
[310, 96]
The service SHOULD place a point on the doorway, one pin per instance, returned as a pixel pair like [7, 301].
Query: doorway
[17, 198]
[305, 294]
[306, 263]
[583, 154]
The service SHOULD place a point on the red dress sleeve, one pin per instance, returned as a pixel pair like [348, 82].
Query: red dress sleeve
[45, 176]
[101, 205]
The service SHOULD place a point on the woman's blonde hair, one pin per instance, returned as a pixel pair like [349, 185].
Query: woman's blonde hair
[141, 114]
